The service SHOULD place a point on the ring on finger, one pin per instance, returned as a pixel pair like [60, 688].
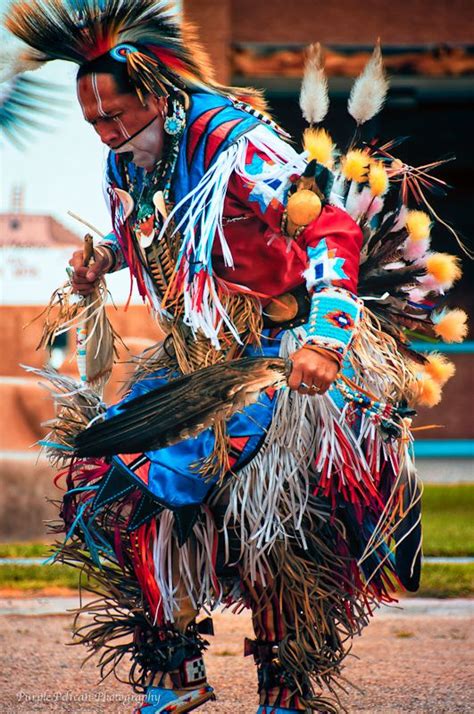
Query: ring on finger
[315, 388]
[304, 385]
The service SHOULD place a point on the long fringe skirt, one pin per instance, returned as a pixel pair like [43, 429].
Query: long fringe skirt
[306, 527]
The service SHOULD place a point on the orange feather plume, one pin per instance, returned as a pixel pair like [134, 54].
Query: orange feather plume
[439, 368]
[450, 325]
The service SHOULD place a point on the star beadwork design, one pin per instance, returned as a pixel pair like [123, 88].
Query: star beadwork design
[265, 191]
[340, 319]
[324, 265]
[268, 194]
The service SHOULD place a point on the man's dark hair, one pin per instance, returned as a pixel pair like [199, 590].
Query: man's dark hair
[105, 64]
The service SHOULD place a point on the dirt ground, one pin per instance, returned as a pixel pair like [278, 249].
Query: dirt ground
[402, 663]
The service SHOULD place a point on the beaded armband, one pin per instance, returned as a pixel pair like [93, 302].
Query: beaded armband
[118, 260]
[333, 317]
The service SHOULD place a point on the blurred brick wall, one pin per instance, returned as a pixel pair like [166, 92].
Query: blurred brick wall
[351, 22]
[21, 333]
[26, 482]
[222, 22]
[24, 404]
[212, 18]
[452, 414]
[27, 487]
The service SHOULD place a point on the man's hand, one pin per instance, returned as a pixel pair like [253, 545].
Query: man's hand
[312, 373]
[85, 278]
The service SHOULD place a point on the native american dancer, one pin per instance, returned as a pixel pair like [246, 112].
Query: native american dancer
[262, 456]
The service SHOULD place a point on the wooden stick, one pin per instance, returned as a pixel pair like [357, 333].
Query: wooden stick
[86, 223]
[88, 250]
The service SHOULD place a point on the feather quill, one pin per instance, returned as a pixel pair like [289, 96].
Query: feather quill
[314, 98]
[369, 91]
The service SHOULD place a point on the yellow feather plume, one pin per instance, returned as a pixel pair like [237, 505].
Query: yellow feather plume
[319, 144]
[378, 179]
[439, 368]
[355, 165]
[444, 268]
[418, 225]
[451, 325]
[428, 391]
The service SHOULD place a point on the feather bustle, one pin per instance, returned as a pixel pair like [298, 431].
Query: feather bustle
[183, 407]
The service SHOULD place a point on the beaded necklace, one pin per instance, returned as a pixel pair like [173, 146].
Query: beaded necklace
[144, 222]
[143, 187]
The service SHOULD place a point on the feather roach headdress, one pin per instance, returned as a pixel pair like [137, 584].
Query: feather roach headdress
[25, 101]
[160, 53]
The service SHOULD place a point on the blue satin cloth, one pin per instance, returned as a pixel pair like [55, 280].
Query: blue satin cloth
[174, 478]
[268, 709]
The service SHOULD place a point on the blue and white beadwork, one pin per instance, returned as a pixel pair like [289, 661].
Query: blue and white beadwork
[333, 317]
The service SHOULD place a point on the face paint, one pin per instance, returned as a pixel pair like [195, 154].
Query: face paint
[122, 128]
[123, 123]
[128, 139]
[141, 145]
[95, 89]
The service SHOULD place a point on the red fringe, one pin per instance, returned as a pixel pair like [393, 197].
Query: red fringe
[334, 484]
[124, 237]
[142, 541]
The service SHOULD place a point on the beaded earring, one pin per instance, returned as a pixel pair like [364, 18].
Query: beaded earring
[175, 122]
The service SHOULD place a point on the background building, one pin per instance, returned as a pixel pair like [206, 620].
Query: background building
[34, 251]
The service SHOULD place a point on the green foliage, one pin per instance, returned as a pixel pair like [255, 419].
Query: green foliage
[438, 579]
[447, 580]
[36, 577]
[448, 520]
[24, 550]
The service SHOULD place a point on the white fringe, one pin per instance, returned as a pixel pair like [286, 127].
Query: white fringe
[269, 496]
[203, 208]
[185, 572]
[384, 530]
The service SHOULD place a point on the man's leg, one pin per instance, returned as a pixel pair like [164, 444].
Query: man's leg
[180, 685]
[276, 687]
[267, 617]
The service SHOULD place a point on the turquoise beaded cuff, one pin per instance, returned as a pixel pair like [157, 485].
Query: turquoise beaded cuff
[110, 242]
[333, 317]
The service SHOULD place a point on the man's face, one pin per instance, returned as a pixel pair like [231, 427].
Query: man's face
[118, 117]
